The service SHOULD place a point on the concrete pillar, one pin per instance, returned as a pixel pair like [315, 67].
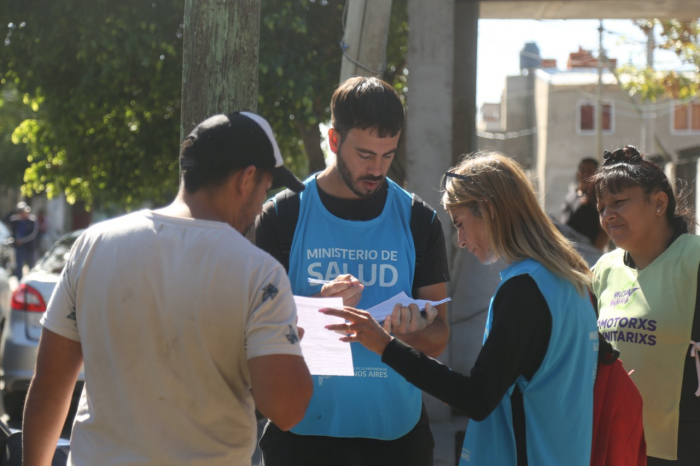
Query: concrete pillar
[442, 44]
[429, 122]
[466, 29]
[429, 117]
[472, 284]
[366, 36]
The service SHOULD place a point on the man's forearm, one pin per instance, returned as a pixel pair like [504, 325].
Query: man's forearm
[58, 364]
[44, 417]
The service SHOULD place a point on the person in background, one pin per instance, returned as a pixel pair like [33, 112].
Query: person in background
[25, 229]
[43, 223]
[648, 302]
[530, 393]
[578, 212]
[183, 325]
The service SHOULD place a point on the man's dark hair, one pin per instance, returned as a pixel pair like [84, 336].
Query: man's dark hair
[365, 103]
[196, 178]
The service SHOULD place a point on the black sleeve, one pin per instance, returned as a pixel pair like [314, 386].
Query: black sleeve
[689, 407]
[516, 346]
[434, 268]
[267, 235]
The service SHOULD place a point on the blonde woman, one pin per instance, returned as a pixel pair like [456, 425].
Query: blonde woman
[530, 392]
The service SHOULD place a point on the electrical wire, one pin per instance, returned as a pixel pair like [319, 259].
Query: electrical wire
[344, 47]
[524, 132]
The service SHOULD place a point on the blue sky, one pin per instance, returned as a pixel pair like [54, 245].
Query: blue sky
[500, 42]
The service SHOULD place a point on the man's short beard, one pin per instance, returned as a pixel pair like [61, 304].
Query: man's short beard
[348, 180]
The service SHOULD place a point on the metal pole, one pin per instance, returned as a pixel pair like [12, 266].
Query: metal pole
[366, 33]
[648, 115]
[599, 103]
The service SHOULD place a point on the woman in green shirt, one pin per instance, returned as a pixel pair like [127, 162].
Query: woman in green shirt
[647, 296]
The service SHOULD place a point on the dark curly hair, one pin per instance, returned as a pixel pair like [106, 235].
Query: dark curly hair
[626, 168]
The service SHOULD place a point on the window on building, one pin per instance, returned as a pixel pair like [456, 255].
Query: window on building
[686, 118]
[587, 116]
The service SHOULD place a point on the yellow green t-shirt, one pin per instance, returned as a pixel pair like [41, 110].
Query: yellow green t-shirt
[647, 315]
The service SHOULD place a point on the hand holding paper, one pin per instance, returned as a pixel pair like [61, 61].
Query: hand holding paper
[409, 319]
[384, 309]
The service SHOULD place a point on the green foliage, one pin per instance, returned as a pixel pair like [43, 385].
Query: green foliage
[104, 78]
[13, 157]
[682, 37]
[102, 81]
[396, 72]
[299, 69]
[300, 59]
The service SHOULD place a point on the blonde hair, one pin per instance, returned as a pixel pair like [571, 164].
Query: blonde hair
[497, 190]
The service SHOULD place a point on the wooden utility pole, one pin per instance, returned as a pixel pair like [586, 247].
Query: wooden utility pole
[220, 59]
[365, 37]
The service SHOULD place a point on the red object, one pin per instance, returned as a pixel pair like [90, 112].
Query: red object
[26, 298]
[618, 431]
[585, 59]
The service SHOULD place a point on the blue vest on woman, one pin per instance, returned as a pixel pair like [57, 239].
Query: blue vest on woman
[558, 400]
[377, 402]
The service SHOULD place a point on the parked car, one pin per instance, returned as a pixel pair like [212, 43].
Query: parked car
[22, 327]
[7, 250]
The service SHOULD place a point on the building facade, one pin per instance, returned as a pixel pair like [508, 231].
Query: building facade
[548, 124]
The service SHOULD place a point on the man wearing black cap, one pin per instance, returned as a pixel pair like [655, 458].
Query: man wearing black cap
[182, 325]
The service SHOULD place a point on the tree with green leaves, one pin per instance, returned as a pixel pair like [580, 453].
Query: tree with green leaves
[300, 57]
[105, 78]
[683, 38]
[14, 109]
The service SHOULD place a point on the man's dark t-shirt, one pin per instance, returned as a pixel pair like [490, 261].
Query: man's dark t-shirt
[581, 215]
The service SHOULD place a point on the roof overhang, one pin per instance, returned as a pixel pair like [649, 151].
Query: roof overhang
[588, 9]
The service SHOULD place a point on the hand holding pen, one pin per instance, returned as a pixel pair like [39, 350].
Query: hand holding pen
[343, 286]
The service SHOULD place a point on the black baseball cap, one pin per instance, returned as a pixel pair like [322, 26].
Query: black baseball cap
[238, 140]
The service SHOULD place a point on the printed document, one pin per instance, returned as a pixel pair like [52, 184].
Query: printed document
[323, 351]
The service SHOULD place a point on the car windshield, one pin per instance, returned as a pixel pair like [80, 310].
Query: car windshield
[55, 258]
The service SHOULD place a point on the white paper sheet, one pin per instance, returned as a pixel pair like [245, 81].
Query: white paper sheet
[383, 309]
[323, 352]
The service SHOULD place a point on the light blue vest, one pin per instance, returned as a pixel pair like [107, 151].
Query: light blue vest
[377, 402]
[558, 401]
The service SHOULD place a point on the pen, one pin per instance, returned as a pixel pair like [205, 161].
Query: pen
[316, 281]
